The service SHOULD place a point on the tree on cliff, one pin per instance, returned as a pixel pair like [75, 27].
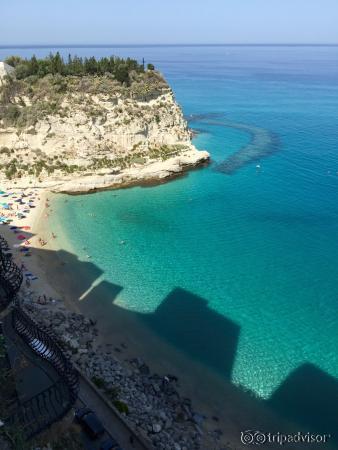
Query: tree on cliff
[120, 68]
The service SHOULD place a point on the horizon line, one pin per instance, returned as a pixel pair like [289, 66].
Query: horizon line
[258, 44]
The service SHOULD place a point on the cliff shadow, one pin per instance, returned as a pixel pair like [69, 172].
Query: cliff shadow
[309, 396]
[80, 283]
[183, 319]
[186, 321]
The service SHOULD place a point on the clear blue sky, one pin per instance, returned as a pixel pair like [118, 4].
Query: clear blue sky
[172, 21]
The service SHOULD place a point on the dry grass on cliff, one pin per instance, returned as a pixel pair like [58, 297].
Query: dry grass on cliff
[24, 102]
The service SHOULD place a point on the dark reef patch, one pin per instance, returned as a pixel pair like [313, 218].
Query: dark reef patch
[262, 143]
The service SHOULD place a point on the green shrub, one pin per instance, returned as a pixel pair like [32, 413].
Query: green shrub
[10, 114]
[11, 171]
[99, 382]
[138, 160]
[121, 406]
[5, 151]
[112, 393]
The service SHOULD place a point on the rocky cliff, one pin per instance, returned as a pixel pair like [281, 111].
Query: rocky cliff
[77, 134]
[5, 71]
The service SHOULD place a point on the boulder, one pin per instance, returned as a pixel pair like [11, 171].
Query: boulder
[157, 427]
[5, 71]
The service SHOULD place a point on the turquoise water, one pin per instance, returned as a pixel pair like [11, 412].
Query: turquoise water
[260, 246]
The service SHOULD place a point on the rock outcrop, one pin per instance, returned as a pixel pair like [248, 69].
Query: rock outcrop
[92, 140]
[5, 71]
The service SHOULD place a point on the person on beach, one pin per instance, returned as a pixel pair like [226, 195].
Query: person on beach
[42, 242]
[42, 300]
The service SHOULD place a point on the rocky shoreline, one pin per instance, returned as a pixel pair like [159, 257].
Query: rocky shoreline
[150, 403]
[150, 174]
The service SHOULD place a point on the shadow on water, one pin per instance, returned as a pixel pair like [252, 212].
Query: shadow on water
[186, 321]
[308, 397]
[262, 143]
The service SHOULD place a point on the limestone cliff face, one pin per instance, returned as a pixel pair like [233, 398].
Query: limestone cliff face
[122, 137]
[100, 127]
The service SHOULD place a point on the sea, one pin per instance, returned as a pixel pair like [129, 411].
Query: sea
[234, 265]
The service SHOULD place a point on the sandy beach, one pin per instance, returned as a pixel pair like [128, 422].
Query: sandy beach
[26, 209]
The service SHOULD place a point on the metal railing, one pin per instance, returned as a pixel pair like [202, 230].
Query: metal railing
[42, 343]
[3, 244]
[41, 411]
[10, 275]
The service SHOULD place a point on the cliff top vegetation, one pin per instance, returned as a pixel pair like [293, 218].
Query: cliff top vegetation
[40, 86]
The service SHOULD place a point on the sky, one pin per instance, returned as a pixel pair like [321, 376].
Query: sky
[83, 22]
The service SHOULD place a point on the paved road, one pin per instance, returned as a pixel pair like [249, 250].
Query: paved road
[112, 422]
